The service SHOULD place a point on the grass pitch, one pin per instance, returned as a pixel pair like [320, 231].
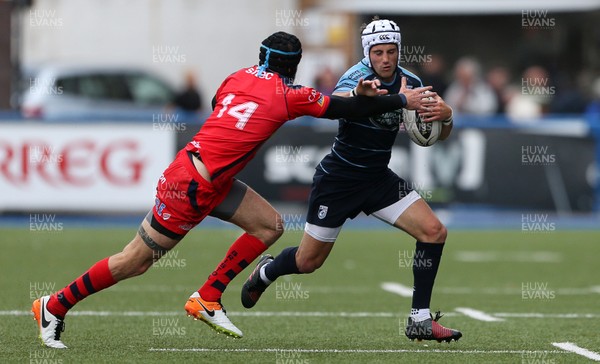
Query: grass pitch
[540, 288]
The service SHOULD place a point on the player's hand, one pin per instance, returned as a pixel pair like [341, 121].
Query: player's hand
[416, 99]
[440, 111]
[369, 88]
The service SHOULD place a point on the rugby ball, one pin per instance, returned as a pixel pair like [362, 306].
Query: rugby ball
[421, 133]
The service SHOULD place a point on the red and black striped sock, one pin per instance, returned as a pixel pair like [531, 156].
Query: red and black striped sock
[97, 278]
[241, 253]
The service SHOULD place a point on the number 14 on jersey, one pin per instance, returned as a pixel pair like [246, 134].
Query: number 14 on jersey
[241, 112]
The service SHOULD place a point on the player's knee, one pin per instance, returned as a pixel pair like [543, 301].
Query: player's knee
[142, 267]
[269, 234]
[276, 233]
[444, 236]
[434, 232]
[123, 268]
[130, 263]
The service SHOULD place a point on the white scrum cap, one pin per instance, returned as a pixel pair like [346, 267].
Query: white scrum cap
[380, 31]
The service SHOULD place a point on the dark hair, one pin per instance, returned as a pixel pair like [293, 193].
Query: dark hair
[284, 64]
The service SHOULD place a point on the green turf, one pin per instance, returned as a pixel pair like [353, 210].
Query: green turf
[32, 262]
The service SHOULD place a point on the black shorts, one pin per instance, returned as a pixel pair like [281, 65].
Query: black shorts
[334, 199]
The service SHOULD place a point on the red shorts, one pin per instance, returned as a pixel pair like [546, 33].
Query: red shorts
[184, 198]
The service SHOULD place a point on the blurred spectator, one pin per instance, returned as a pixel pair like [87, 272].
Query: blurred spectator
[569, 99]
[189, 99]
[432, 74]
[498, 78]
[325, 81]
[534, 96]
[468, 93]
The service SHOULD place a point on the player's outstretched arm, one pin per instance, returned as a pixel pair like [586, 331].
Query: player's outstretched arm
[364, 106]
[365, 88]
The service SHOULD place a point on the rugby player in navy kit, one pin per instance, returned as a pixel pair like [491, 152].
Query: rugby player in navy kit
[355, 178]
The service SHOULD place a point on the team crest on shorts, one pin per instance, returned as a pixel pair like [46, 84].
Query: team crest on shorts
[322, 211]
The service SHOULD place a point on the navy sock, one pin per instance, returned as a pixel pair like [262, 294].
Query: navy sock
[425, 266]
[284, 263]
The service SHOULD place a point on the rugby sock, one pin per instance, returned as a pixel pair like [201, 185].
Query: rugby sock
[425, 266]
[241, 253]
[97, 278]
[263, 275]
[284, 263]
[420, 314]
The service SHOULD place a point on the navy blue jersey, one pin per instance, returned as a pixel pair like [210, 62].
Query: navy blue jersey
[363, 146]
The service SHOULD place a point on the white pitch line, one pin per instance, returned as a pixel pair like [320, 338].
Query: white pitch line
[312, 314]
[547, 315]
[468, 256]
[307, 314]
[232, 313]
[100, 313]
[578, 350]
[516, 291]
[359, 351]
[397, 288]
[477, 315]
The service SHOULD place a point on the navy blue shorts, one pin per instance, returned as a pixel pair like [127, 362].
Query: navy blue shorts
[334, 199]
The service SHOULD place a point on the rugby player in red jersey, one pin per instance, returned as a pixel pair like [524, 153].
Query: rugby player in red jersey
[249, 106]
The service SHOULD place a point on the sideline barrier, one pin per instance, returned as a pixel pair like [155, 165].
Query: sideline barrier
[81, 167]
[96, 166]
[506, 168]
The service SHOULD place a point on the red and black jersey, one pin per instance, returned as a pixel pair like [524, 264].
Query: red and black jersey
[248, 110]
